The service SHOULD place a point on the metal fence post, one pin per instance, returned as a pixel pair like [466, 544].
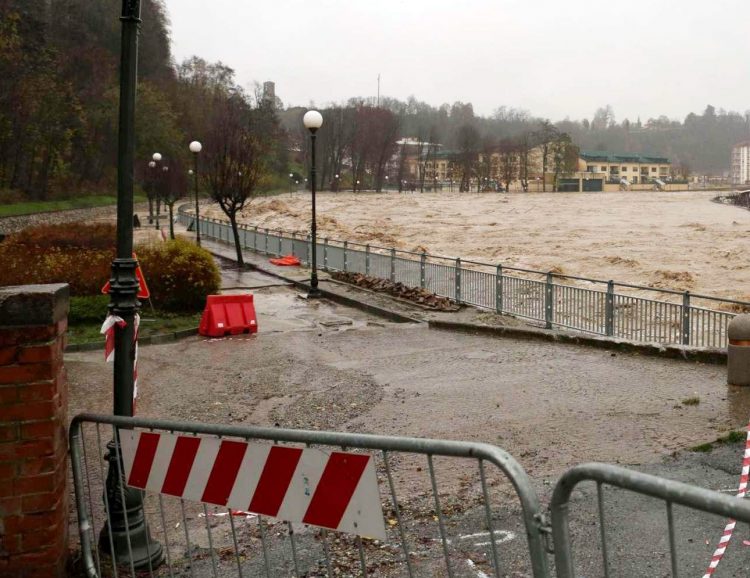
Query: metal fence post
[686, 318]
[367, 260]
[294, 238]
[458, 280]
[393, 265]
[255, 238]
[346, 256]
[281, 247]
[499, 289]
[265, 243]
[609, 309]
[422, 268]
[325, 254]
[548, 300]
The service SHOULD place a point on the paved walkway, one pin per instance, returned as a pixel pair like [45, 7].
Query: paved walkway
[319, 365]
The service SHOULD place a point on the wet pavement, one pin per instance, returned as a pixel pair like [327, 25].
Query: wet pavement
[318, 365]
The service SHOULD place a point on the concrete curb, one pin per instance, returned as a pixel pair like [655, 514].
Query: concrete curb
[714, 356]
[149, 340]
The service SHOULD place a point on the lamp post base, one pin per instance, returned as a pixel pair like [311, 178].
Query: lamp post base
[127, 535]
[313, 293]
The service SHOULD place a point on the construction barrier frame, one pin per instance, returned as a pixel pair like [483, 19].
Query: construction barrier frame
[533, 518]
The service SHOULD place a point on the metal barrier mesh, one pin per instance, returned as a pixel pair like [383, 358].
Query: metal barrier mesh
[451, 509]
[637, 524]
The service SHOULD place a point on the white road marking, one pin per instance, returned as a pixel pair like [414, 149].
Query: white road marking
[501, 536]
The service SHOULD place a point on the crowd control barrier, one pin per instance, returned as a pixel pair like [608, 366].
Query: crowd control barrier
[440, 505]
[439, 508]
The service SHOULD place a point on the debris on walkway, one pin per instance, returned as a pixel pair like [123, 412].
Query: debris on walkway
[415, 295]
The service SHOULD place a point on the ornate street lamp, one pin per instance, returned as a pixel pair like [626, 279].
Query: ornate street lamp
[126, 529]
[313, 120]
[157, 193]
[195, 148]
[152, 193]
[163, 184]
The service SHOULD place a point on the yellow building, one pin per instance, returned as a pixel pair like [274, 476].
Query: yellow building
[626, 169]
[442, 167]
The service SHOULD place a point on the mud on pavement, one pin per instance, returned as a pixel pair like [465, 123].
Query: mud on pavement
[316, 365]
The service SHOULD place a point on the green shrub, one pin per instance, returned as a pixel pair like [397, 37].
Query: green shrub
[88, 309]
[67, 235]
[86, 270]
[179, 274]
[75, 253]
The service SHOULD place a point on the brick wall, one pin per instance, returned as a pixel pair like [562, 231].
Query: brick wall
[33, 441]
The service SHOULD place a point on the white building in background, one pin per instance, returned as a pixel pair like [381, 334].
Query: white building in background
[741, 163]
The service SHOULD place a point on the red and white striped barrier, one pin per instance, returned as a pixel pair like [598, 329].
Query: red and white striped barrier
[108, 330]
[333, 490]
[729, 528]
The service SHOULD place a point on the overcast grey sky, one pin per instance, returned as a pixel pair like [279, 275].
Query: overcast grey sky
[554, 58]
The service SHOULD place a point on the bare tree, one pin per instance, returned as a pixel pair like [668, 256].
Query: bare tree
[565, 157]
[545, 136]
[384, 138]
[468, 154]
[524, 153]
[486, 161]
[402, 156]
[508, 162]
[426, 151]
[334, 138]
[234, 161]
[173, 187]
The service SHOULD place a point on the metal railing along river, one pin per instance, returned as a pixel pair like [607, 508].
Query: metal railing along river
[607, 308]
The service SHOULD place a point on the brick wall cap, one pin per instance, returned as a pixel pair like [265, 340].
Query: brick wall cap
[33, 305]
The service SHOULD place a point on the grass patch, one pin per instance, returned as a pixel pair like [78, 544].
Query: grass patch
[732, 437]
[32, 207]
[691, 401]
[152, 323]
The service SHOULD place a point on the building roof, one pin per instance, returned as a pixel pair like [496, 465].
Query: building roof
[608, 157]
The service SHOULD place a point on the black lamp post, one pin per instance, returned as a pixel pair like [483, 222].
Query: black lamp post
[157, 187]
[195, 148]
[313, 120]
[126, 529]
[152, 193]
[163, 193]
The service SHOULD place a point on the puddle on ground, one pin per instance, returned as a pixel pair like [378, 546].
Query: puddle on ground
[282, 309]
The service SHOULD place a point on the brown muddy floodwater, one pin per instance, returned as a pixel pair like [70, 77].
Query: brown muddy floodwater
[678, 240]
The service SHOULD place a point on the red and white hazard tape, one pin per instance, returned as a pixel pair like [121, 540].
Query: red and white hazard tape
[108, 330]
[729, 528]
[334, 490]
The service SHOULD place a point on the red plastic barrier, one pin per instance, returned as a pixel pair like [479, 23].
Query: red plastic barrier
[286, 261]
[228, 315]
